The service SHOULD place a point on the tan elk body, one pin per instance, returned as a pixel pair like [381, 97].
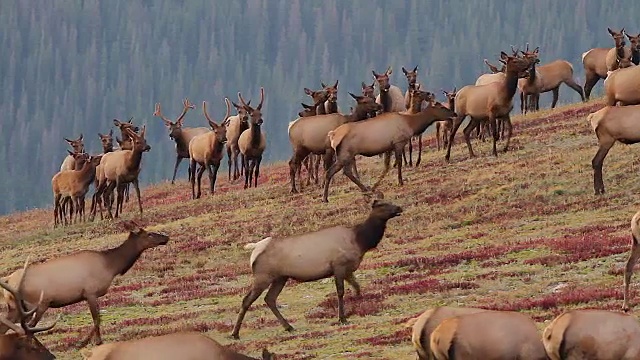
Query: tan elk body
[82, 276]
[495, 335]
[612, 124]
[73, 184]
[331, 252]
[623, 86]
[495, 75]
[423, 325]
[592, 334]
[181, 345]
[206, 150]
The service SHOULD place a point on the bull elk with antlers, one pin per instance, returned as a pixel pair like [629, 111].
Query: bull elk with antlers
[252, 142]
[181, 135]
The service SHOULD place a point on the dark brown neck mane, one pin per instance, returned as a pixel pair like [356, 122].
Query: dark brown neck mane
[370, 232]
[122, 258]
[385, 100]
[255, 135]
[420, 121]
[358, 114]
[332, 108]
[511, 84]
[532, 74]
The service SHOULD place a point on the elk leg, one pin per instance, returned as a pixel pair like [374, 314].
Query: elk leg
[351, 279]
[456, 124]
[257, 173]
[92, 301]
[410, 152]
[628, 271]
[119, 197]
[136, 186]
[506, 123]
[175, 169]
[572, 84]
[199, 179]
[316, 170]
[555, 92]
[591, 79]
[473, 124]
[419, 160]
[252, 167]
[398, 152]
[272, 296]
[214, 176]
[438, 126]
[596, 164]
[328, 175]
[192, 177]
[348, 172]
[523, 106]
[257, 288]
[229, 163]
[493, 123]
[387, 167]
[245, 168]
[126, 195]
[340, 291]
[293, 170]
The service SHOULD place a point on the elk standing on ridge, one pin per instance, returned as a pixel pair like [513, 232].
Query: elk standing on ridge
[236, 124]
[252, 142]
[611, 124]
[443, 128]
[73, 184]
[384, 134]
[496, 335]
[69, 162]
[81, 276]
[618, 52]
[312, 161]
[594, 62]
[308, 135]
[181, 135]
[206, 150]
[331, 252]
[125, 143]
[592, 334]
[180, 345]
[423, 325]
[488, 103]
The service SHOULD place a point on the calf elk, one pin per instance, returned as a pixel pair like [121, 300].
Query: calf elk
[181, 135]
[252, 142]
[73, 184]
[21, 344]
[82, 276]
[180, 345]
[592, 334]
[206, 150]
[274, 261]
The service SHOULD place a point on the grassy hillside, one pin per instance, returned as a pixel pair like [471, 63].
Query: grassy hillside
[522, 231]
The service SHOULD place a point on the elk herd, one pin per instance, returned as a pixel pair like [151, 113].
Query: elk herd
[385, 125]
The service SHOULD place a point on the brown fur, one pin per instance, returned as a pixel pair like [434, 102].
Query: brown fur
[21, 344]
[309, 134]
[381, 135]
[331, 105]
[73, 184]
[592, 334]
[617, 52]
[312, 161]
[488, 103]
[634, 255]
[623, 86]
[206, 150]
[331, 252]
[423, 325]
[252, 142]
[443, 128]
[181, 135]
[82, 276]
[69, 163]
[495, 335]
[236, 124]
[594, 62]
[180, 345]
[106, 141]
[126, 143]
[612, 124]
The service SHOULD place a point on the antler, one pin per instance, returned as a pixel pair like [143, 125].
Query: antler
[21, 307]
[158, 112]
[186, 105]
[514, 50]
[226, 117]
[261, 98]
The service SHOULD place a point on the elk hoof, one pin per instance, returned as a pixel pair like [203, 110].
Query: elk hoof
[289, 328]
[235, 336]
[343, 321]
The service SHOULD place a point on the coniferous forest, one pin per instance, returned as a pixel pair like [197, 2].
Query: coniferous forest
[72, 66]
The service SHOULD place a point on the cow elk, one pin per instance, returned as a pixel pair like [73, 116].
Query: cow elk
[488, 103]
[206, 150]
[125, 142]
[320, 100]
[180, 345]
[497, 335]
[308, 135]
[81, 276]
[386, 133]
[275, 260]
[443, 128]
[612, 124]
[331, 105]
[594, 62]
[618, 52]
[423, 325]
[412, 78]
[592, 334]
[621, 86]
[252, 142]
[236, 125]
[69, 162]
[181, 135]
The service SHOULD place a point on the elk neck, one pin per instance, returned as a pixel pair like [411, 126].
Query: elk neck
[635, 56]
[532, 75]
[420, 121]
[122, 258]
[370, 233]
[255, 135]
[359, 113]
[386, 101]
[511, 84]
[135, 159]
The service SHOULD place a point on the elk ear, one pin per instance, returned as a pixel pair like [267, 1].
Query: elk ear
[375, 76]
[323, 85]
[503, 55]
[536, 50]
[143, 131]
[364, 86]
[307, 91]
[336, 85]
[110, 132]
[610, 31]
[69, 141]
[116, 122]
[404, 71]
[354, 96]
[375, 203]
[415, 69]
[266, 355]
[132, 227]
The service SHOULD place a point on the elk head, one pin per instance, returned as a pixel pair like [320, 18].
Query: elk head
[517, 65]
[220, 131]
[309, 110]
[145, 239]
[106, 141]
[319, 96]
[412, 76]
[624, 61]
[123, 126]
[240, 111]
[255, 114]
[383, 79]
[366, 104]
[77, 145]
[332, 92]
[634, 42]
[450, 95]
[618, 37]
[368, 90]
[417, 96]
[139, 142]
[21, 344]
[175, 128]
